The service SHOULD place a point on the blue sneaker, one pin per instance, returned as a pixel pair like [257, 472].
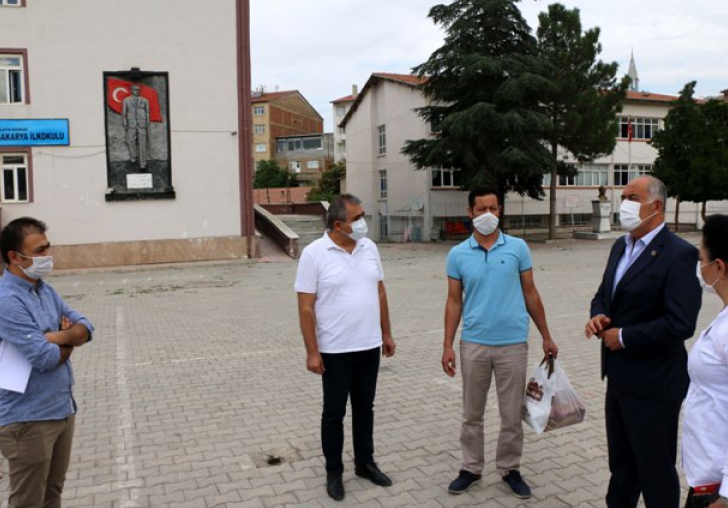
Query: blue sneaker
[517, 485]
[463, 482]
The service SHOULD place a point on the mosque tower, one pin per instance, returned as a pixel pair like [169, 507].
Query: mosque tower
[632, 73]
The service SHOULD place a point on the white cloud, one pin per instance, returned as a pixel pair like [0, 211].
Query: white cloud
[322, 47]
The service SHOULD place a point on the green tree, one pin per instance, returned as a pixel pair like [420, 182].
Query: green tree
[584, 98]
[330, 184]
[692, 150]
[269, 175]
[483, 87]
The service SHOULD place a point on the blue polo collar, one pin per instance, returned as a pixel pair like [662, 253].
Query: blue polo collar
[500, 241]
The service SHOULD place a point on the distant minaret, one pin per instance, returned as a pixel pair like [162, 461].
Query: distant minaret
[632, 73]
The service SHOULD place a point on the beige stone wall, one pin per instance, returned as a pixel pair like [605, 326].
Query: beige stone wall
[70, 44]
[150, 252]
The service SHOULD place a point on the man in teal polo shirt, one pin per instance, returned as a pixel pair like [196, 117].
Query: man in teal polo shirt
[490, 284]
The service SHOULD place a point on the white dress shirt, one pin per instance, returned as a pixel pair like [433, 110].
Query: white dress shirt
[631, 252]
[705, 422]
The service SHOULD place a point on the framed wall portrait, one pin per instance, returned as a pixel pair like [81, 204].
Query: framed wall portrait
[138, 158]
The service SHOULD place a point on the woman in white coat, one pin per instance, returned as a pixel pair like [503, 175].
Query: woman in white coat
[705, 422]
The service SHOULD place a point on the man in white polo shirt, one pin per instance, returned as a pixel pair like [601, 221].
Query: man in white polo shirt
[342, 307]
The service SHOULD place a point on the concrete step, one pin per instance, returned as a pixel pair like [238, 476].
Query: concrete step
[308, 227]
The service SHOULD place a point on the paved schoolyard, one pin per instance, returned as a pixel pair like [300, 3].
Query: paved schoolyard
[194, 391]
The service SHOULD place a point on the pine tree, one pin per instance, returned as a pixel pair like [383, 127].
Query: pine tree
[584, 97]
[692, 150]
[483, 87]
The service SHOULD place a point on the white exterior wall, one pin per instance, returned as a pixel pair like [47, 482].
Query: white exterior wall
[393, 105]
[70, 44]
[339, 148]
[625, 153]
[411, 204]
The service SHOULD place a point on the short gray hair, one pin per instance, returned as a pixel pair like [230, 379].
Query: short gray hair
[337, 209]
[657, 189]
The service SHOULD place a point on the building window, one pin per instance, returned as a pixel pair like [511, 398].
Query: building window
[587, 175]
[383, 184]
[642, 128]
[575, 219]
[312, 164]
[340, 111]
[10, 3]
[259, 110]
[295, 144]
[295, 166]
[623, 173]
[260, 148]
[382, 132]
[15, 178]
[281, 145]
[12, 80]
[340, 131]
[259, 129]
[314, 143]
[449, 178]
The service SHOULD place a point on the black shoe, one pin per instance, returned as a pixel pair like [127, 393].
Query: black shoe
[463, 482]
[518, 486]
[372, 472]
[335, 487]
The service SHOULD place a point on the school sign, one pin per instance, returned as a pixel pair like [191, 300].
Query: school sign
[50, 132]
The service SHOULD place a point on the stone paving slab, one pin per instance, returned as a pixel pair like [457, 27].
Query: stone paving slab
[196, 378]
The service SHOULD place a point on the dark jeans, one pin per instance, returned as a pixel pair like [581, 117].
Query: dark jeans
[355, 375]
[642, 442]
[699, 501]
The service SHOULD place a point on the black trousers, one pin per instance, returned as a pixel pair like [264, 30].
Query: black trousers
[349, 375]
[642, 442]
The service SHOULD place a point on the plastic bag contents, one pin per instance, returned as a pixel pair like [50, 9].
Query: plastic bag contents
[550, 401]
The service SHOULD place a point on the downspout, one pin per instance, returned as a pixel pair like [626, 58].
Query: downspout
[245, 140]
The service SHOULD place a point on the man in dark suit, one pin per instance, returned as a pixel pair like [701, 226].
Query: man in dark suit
[645, 309]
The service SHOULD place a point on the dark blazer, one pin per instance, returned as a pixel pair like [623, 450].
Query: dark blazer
[656, 305]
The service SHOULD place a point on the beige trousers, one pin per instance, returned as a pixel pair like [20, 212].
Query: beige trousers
[38, 454]
[478, 364]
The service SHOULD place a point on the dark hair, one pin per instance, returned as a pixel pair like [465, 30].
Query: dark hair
[715, 237]
[13, 235]
[337, 209]
[481, 191]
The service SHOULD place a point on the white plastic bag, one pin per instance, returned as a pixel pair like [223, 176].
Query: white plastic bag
[567, 407]
[550, 401]
[539, 392]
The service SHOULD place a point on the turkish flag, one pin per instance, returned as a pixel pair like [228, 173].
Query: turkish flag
[117, 90]
[630, 133]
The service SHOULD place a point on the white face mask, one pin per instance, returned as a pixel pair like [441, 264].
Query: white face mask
[486, 223]
[629, 214]
[708, 288]
[359, 229]
[42, 266]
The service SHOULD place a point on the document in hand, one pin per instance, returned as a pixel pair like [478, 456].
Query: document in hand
[14, 368]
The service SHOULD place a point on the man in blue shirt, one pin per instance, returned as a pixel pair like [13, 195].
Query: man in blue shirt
[36, 427]
[490, 285]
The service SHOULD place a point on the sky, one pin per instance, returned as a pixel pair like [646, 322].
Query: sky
[323, 47]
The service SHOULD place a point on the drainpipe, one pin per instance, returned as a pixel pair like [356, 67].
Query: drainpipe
[245, 139]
